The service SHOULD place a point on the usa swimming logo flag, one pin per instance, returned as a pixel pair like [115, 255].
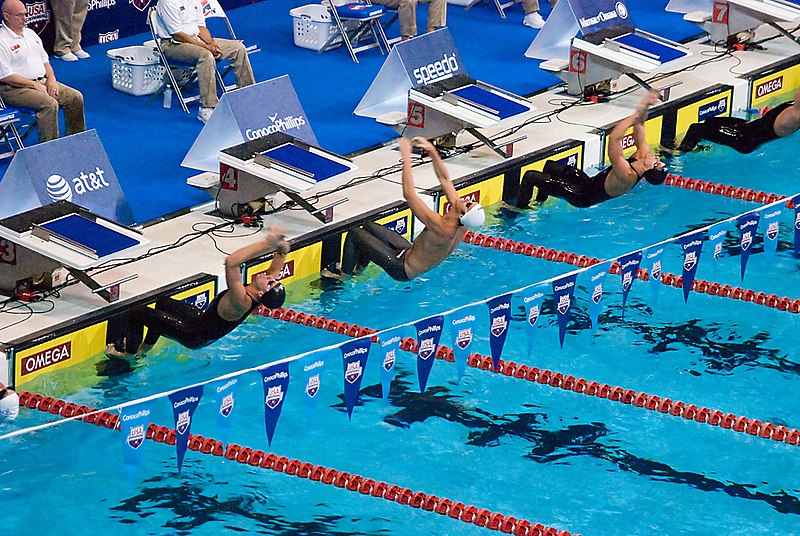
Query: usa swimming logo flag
[224, 390]
[354, 359]
[499, 319]
[429, 331]
[716, 238]
[597, 276]
[184, 403]
[748, 225]
[390, 347]
[652, 262]
[771, 230]
[133, 421]
[796, 201]
[692, 245]
[629, 267]
[313, 365]
[462, 330]
[275, 381]
[532, 298]
[563, 291]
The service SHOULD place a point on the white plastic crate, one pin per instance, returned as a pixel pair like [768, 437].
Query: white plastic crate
[136, 70]
[313, 27]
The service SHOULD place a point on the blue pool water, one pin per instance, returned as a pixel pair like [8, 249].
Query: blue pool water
[575, 462]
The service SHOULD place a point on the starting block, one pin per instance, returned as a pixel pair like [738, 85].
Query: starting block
[278, 163]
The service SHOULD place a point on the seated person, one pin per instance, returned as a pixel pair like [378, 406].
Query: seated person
[400, 259]
[27, 79]
[407, 13]
[746, 136]
[184, 38]
[9, 404]
[580, 190]
[195, 329]
[533, 19]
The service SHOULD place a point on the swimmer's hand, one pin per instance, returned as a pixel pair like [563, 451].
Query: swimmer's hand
[283, 247]
[423, 143]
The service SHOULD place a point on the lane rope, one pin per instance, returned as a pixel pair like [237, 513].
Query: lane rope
[725, 190]
[457, 510]
[782, 303]
[567, 382]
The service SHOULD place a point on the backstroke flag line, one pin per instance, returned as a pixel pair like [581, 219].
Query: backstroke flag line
[748, 225]
[184, 403]
[499, 319]
[275, 381]
[629, 267]
[390, 345]
[429, 331]
[354, 361]
[597, 276]
[133, 421]
[692, 245]
[563, 291]
[462, 331]
[532, 298]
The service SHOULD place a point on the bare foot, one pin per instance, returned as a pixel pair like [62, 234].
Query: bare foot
[111, 351]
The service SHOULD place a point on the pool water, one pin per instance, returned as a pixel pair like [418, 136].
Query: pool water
[567, 460]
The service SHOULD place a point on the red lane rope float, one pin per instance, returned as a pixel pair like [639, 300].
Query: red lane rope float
[782, 303]
[567, 382]
[725, 190]
[318, 473]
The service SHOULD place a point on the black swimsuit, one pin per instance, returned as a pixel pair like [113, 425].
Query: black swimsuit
[379, 244]
[742, 135]
[181, 322]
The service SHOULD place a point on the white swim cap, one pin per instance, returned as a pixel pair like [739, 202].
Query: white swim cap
[474, 217]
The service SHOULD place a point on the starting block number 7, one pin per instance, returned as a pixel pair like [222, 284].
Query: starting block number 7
[720, 14]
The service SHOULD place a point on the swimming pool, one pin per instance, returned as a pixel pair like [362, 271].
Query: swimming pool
[524, 449]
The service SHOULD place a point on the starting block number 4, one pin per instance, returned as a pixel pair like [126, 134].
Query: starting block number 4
[416, 115]
[228, 177]
[577, 61]
[720, 14]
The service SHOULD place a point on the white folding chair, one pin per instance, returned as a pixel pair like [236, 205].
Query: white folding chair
[9, 133]
[359, 27]
[179, 76]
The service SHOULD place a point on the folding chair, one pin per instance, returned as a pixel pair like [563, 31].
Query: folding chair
[178, 76]
[356, 22]
[212, 10]
[10, 118]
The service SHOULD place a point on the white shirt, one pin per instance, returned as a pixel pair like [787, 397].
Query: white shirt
[23, 55]
[9, 407]
[179, 16]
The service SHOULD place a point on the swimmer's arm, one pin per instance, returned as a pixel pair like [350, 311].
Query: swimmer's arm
[441, 171]
[418, 207]
[616, 154]
[234, 261]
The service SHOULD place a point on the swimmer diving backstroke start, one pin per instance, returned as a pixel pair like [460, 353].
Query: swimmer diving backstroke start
[746, 136]
[194, 328]
[401, 259]
[580, 190]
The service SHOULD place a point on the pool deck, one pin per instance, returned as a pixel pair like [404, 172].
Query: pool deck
[583, 123]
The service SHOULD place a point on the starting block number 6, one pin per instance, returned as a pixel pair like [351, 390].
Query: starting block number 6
[577, 61]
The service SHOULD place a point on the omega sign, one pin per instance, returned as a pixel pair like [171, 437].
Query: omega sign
[46, 358]
[770, 86]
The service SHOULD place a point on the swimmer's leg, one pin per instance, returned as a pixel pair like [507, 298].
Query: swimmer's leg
[532, 181]
[352, 255]
[722, 130]
[388, 236]
[382, 252]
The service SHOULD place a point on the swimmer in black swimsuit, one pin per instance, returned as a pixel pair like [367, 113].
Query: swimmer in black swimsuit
[193, 328]
[746, 136]
[580, 190]
[401, 259]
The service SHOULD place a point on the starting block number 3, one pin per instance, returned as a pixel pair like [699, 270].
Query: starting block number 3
[8, 252]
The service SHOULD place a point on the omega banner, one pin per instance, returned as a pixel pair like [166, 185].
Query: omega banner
[108, 20]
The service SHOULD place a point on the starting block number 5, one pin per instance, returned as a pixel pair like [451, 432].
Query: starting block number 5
[720, 14]
[416, 115]
[577, 61]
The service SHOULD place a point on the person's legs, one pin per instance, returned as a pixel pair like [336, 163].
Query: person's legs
[529, 6]
[407, 13]
[437, 14]
[530, 180]
[46, 108]
[79, 13]
[234, 52]
[62, 21]
[353, 256]
[378, 244]
[203, 61]
[71, 101]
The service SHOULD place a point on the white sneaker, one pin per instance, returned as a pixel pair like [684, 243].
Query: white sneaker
[533, 20]
[69, 56]
[204, 114]
[81, 54]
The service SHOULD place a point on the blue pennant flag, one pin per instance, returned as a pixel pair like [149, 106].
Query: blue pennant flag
[532, 298]
[597, 276]
[184, 403]
[772, 228]
[499, 320]
[429, 331]
[629, 268]
[313, 366]
[652, 262]
[716, 238]
[692, 245]
[748, 225]
[354, 360]
[796, 201]
[133, 423]
[275, 381]
[462, 330]
[563, 291]
[225, 392]
[390, 347]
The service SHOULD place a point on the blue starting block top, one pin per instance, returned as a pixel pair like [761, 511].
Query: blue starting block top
[503, 106]
[658, 51]
[359, 11]
[319, 167]
[87, 236]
